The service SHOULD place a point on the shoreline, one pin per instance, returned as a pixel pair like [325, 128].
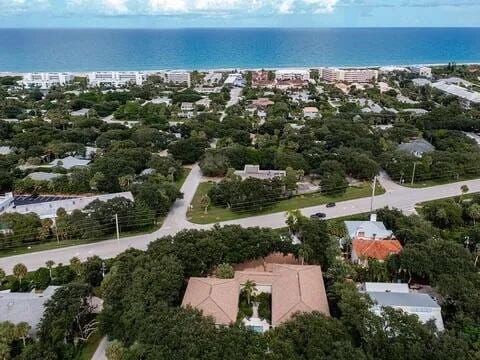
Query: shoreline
[232, 69]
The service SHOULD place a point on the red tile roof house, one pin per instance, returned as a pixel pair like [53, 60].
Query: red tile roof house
[294, 288]
[371, 240]
[362, 250]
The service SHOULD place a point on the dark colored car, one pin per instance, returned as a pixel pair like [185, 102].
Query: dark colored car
[319, 215]
[330, 205]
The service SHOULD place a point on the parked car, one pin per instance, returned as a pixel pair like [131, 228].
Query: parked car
[319, 215]
[330, 205]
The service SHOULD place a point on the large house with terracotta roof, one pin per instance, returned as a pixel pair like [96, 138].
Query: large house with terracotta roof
[293, 288]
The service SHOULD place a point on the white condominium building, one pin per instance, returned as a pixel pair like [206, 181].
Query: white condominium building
[349, 75]
[292, 74]
[116, 78]
[178, 77]
[46, 80]
[423, 71]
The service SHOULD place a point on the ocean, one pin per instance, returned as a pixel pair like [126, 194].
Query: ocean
[25, 50]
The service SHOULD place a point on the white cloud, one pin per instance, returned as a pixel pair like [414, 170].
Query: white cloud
[116, 6]
[12, 6]
[168, 7]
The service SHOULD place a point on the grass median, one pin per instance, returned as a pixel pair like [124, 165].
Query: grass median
[218, 214]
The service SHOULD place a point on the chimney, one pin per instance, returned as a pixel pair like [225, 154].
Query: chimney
[373, 217]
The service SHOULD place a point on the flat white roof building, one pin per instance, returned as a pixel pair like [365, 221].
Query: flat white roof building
[466, 96]
[349, 75]
[46, 206]
[45, 80]
[178, 77]
[116, 78]
[234, 80]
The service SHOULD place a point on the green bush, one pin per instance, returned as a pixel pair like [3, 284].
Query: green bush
[41, 278]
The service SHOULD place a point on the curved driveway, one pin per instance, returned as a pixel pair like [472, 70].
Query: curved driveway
[396, 196]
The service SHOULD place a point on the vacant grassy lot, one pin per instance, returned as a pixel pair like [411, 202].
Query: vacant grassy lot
[218, 214]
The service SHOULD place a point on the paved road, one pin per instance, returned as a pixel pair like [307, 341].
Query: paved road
[396, 196]
[234, 99]
[100, 352]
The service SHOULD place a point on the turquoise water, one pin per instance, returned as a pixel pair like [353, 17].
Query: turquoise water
[102, 49]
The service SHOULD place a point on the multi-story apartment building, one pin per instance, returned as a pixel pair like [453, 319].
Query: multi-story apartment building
[116, 78]
[292, 74]
[349, 75]
[178, 77]
[46, 80]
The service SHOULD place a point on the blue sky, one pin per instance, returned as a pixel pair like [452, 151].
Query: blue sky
[238, 13]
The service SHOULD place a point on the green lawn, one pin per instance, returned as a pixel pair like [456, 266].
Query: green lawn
[434, 182]
[89, 348]
[179, 182]
[218, 214]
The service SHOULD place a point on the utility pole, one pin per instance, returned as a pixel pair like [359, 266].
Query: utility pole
[118, 230]
[413, 173]
[56, 229]
[373, 193]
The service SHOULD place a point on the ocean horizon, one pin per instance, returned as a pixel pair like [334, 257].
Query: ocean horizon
[90, 49]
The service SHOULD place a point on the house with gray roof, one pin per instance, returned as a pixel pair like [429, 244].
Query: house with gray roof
[25, 307]
[417, 147]
[70, 162]
[368, 230]
[399, 296]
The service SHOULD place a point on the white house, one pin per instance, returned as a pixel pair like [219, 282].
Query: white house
[399, 296]
[422, 71]
[311, 112]
[253, 171]
[187, 106]
[234, 80]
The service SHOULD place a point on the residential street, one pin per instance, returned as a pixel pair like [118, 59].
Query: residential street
[396, 196]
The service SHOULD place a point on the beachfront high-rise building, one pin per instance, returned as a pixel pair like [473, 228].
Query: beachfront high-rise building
[46, 80]
[115, 78]
[178, 77]
[349, 75]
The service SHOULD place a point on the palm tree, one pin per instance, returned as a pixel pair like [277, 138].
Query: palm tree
[304, 252]
[249, 289]
[474, 212]
[464, 189]
[20, 271]
[293, 218]
[205, 203]
[76, 265]
[49, 264]
[21, 331]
